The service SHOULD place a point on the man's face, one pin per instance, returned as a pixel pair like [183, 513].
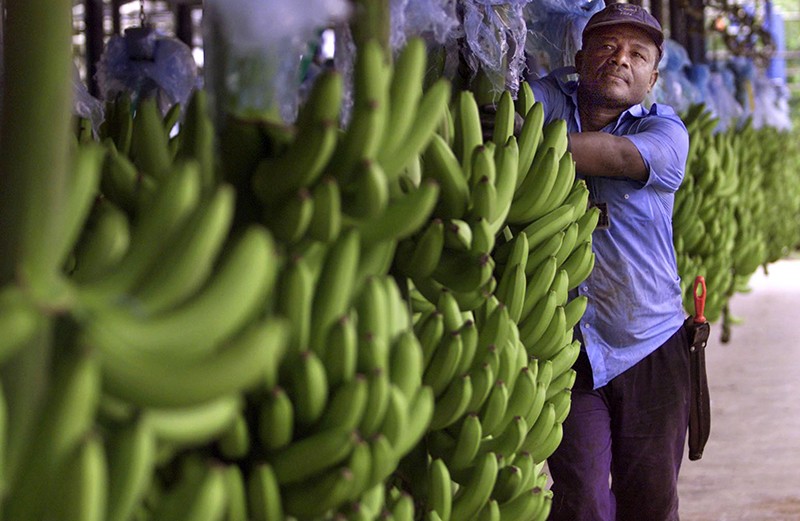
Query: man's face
[617, 65]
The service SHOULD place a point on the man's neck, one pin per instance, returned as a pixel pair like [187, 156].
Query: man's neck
[594, 114]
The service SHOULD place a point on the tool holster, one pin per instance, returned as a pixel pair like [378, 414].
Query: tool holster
[700, 407]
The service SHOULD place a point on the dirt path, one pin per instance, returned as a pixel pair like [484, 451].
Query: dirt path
[750, 470]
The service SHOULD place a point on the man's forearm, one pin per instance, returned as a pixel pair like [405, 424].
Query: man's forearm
[603, 154]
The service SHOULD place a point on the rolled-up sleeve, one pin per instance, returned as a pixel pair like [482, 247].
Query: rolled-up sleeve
[663, 143]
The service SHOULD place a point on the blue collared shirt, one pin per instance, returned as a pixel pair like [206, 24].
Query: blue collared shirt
[634, 293]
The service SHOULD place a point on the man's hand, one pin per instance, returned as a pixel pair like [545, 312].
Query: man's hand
[488, 113]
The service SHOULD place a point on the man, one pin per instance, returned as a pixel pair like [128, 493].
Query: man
[630, 402]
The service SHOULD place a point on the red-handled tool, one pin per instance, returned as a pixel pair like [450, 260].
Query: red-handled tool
[699, 299]
[698, 329]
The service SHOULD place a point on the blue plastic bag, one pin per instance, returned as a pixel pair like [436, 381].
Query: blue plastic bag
[144, 63]
[555, 28]
[254, 50]
[495, 33]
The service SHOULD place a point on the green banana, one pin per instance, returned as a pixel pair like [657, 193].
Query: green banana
[294, 298]
[533, 193]
[264, 494]
[364, 133]
[561, 402]
[121, 183]
[233, 295]
[335, 285]
[236, 493]
[161, 219]
[104, 241]
[507, 158]
[81, 191]
[444, 363]
[546, 249]
[512, 288]
[494, 409]
[396, 417]
[533, 326]
[66, 419]
[308, 387]
[429, 114]
[406, 363]
[347, 405]
[326, 219]
[426, 252]
[553, 338]
[341, 350]
[539, 432]
[19, 321]
[564, 359]
[543, 228]
[131, 454]
[289, 218]
[147, 379]
[579, 264]
[81, 483]
[149, 150]
[509, 440]
[510, 481]
[560, 286]
[403, 216]
[307, 457]
[522, 394]
[526, 506]
[235, 442]
[195, 425]
[378, 399]
[420, 412]
[441, 164]
[483, 379]
[453, 402]
[574, 310]
[440, 491]
[275, 419]
[197, 136]
[538, 284]
[551, 442]
[568, 244]
[191, 257]
[405, 91]
[483, 199]
[530, 139]
[504, 119]
[474, 494]
[467, 444]
[367, 194]
[469, 132]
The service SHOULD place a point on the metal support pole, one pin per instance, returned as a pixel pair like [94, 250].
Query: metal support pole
[677, 21]
[116, 19]
[696, 44]
[183, 24]
[94, 41]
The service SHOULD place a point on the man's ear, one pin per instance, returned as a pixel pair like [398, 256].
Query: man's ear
[653, 79]
[578, 59]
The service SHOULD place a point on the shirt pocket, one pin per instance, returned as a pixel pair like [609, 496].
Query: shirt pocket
[635, 203]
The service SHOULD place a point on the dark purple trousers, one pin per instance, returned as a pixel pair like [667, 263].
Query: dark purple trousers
[623, 443]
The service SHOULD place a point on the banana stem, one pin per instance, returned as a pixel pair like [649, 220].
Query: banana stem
[371, 21]
[34, 135]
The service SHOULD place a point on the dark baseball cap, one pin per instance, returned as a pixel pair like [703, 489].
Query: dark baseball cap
[631, 14]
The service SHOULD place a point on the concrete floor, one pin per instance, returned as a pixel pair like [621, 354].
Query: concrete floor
[750, 470]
